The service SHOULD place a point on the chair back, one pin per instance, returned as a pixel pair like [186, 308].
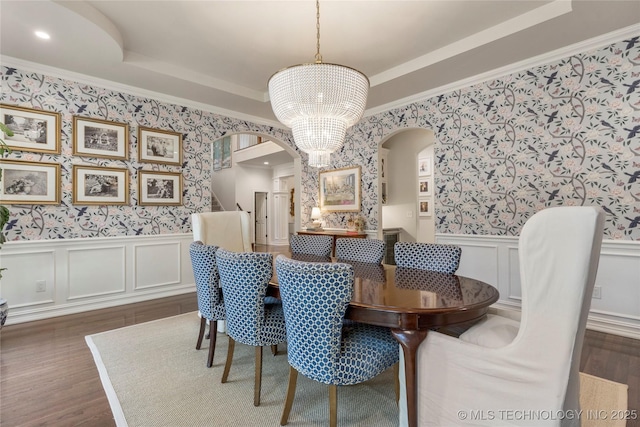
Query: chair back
[315, 297]
[230, 230]
[427, 256]
[311, 244]
[205, 271]
[531, 365]
[559, 251]
[244, 277]
[361, 250]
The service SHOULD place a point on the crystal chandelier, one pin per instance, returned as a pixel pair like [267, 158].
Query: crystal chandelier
[318, 101]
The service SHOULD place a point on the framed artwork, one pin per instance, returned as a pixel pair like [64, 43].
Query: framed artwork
[383, 192]
[292, 203]
[30, 183]
[222, 153]
[424, 187]
[424, 207]
[100, 186]
[424, 166]
[159, 146]
[159, 188]
[100, 138]
[33, 130]
[340, 190]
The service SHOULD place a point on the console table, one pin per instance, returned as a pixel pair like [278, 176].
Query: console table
[336, 235]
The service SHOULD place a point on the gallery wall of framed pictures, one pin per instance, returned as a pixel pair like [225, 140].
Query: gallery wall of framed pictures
[425, 182]
[92, 183]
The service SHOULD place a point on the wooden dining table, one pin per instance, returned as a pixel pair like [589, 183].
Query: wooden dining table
[411, 302]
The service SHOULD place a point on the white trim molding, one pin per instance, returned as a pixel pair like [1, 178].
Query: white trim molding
[516, 67]
[494, 259]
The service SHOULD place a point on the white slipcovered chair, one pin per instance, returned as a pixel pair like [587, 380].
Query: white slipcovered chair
[230, 230]
[500, 365]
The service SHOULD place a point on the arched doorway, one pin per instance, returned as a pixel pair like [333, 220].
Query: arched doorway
[270, 169]
[408, 209]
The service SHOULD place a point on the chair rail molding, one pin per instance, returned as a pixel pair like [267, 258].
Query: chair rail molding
[494, 259]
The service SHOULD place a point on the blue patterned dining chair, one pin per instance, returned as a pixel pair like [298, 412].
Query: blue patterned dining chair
[311, 244]
[428, 256]
[361, 250]
[244, 277]
[210, 304]
[320, 347]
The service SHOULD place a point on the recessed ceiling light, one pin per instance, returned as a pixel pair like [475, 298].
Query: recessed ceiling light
[43, 35]
[266, 163]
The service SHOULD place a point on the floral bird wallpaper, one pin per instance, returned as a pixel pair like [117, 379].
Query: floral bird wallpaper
[563, 133]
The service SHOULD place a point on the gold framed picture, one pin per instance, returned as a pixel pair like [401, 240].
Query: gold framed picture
[159, 146]
[340, 190]
[100, 185]
[100, 138]
[30, 183]
[33, 130]
[159, 188]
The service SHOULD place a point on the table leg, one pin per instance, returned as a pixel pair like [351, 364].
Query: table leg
[410, 340]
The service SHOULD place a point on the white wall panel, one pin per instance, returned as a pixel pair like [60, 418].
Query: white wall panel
[514, 290]
[479, 261]
[157, 265]
[96, 271]
[23, 270]
[619, 281]
[89, 274]
[618, 310]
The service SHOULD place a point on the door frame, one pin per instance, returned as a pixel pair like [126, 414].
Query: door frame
[255, 216]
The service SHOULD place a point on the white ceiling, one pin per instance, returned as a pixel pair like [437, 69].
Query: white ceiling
[222, 53]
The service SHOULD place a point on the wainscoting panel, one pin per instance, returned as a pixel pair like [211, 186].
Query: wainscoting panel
[481, 260]
[92, 273]
[96, 271]
[514, 292]
[621, 268]
[159, 266]
[156, 265]
[616, 311]
[29, 278]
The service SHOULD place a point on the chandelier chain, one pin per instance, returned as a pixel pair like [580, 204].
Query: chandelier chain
[318, 56]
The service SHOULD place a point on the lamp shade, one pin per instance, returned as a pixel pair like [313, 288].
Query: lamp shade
[315, 213]
[318, 101]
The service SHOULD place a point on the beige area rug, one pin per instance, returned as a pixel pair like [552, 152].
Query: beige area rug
[154, 377]
[603, 402]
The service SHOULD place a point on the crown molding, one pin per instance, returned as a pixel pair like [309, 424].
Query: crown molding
[529, 63]
[526, 20]
[8, 61]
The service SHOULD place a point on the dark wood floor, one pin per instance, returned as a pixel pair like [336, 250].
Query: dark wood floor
[48, 377]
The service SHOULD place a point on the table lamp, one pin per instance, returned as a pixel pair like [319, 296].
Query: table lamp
[316, 216]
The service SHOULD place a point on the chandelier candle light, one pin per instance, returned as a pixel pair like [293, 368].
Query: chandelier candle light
[319, 102]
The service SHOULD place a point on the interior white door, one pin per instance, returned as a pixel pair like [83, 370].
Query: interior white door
[261, 218]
